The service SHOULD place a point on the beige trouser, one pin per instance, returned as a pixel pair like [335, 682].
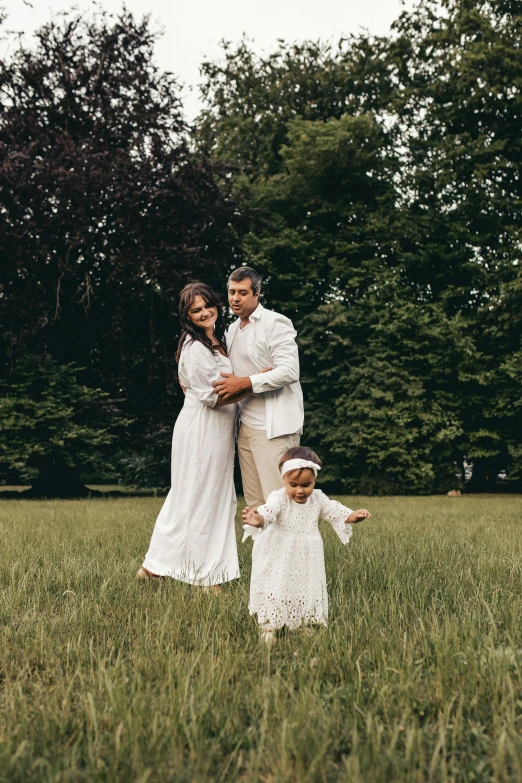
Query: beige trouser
[259, 462]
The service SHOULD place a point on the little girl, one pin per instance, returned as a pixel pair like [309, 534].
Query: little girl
[288, 583]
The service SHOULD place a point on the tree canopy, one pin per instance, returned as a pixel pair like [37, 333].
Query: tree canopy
[385, 178]
[107, 211]
[375, 183]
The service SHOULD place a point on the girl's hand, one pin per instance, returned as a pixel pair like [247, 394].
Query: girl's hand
[358, 516]
[252, 518]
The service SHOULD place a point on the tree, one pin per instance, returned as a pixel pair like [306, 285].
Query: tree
[107, 211]
[381, 367]
[250, 100]
[458, 102]
[385, 376]
[428, 214]
[51, 421]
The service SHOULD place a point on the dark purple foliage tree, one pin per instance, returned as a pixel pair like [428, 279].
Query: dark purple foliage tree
[106, 212]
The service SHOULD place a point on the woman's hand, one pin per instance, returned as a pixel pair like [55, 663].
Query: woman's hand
[252, 518]
[358, 516]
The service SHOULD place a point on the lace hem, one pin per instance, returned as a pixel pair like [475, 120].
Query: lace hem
[278, 620]
[292, 612]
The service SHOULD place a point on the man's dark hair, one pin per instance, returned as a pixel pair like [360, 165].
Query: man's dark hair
[247, 273]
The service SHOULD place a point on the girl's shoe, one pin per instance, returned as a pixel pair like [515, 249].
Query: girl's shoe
[267, 635]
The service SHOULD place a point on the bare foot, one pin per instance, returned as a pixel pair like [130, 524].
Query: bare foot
[215, 589]
[144, 575]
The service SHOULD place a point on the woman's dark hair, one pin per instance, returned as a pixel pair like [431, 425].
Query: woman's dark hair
[299, 452]
[247, 273]
[188, 329]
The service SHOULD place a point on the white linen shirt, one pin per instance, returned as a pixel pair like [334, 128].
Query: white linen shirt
[252, 409]
[274, 346]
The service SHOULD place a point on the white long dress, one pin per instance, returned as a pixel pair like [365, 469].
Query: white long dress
[194, 537]
[288, 582]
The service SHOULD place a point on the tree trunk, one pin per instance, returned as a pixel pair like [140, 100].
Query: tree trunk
[483, 477]
[57, 480]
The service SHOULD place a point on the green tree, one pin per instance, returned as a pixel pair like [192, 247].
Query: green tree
[382, 367]
[326, 215]
[250, 99]
[459, 105]
[384, 387]
[436, 210]
[49, 420]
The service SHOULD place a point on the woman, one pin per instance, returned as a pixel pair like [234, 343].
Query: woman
[194, 538]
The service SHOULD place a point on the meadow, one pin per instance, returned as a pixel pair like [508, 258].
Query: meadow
[417, 678]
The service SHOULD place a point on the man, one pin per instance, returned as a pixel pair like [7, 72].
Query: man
[271, 419]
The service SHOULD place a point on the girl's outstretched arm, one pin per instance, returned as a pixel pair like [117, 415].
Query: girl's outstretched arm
[358, 516]
[256, 521]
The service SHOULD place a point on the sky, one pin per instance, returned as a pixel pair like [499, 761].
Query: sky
[193, 29]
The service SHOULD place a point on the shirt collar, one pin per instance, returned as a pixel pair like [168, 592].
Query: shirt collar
[257, 312]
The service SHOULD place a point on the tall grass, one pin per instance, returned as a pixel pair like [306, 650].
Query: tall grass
[417, 678]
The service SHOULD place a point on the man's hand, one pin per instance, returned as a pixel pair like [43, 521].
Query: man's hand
[231, 385]
[252, 518]
[358, 516]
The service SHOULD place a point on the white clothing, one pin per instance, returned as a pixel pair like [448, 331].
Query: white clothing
[194, 537]
[274, 345]
[295, 464]
[252, 410]
[288, 582]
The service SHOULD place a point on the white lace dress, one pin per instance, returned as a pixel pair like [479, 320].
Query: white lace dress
[194, 538]
[288, 583]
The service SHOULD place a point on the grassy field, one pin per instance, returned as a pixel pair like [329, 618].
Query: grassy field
[417, 678]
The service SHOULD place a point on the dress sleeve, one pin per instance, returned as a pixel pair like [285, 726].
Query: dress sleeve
[200, 368]
[334, 512]
[270, 511]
